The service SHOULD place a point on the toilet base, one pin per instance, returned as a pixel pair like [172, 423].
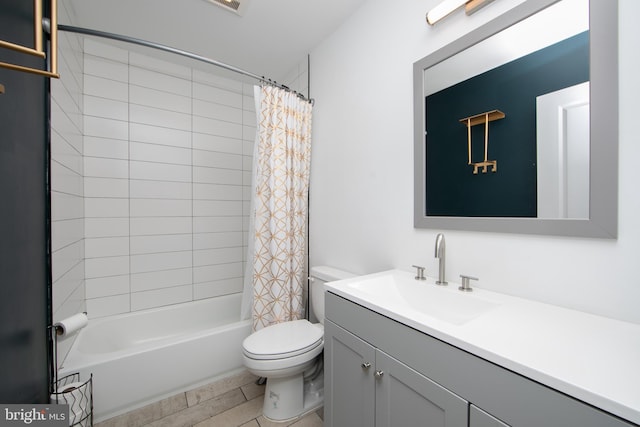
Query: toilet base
[286, 399]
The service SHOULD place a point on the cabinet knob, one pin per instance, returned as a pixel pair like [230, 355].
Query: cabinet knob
[379, 374]
[366, 365]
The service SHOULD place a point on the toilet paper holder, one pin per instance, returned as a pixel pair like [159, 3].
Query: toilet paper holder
[69, 390]
[70, 325]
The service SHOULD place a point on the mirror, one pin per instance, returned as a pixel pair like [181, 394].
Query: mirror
[590, 188]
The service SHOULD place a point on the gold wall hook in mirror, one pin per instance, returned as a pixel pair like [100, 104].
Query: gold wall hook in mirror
[471, 121]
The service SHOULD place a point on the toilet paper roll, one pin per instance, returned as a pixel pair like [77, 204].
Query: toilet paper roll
[71, 324]
[73, 394]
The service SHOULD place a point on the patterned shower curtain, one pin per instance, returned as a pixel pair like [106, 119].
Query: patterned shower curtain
[281, 192]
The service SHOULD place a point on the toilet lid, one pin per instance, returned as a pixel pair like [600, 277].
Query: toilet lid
[283, 340]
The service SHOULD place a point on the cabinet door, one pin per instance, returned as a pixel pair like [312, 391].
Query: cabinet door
[349, 380]
[405, 398]
[479, 418]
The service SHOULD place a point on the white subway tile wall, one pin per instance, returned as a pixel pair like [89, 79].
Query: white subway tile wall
[67, 186]
[151, 172]
[167, 169]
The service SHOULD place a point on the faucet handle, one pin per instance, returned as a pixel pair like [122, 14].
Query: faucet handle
[419, 272]
[466, 287]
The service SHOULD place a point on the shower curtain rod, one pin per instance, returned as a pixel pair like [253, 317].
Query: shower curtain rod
[127, 39]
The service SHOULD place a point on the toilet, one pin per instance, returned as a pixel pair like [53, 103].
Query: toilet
[289, 356]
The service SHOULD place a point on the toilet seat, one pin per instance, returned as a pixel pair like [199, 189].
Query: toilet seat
[284, 340]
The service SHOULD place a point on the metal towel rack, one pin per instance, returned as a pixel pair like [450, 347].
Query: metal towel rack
[40, 26]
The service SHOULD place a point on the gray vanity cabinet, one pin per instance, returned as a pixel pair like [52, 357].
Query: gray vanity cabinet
[367, 387]
[406, 398]
[349, 382]
[423, 381]
[479, 418]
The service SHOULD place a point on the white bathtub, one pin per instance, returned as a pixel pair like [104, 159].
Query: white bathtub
[139, 358]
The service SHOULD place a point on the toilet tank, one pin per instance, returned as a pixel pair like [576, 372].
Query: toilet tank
[317, 278]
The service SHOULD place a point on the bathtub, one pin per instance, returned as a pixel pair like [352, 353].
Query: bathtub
[142, 357]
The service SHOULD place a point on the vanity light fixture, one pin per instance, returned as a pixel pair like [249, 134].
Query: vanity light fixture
[473, 6]
[443, 9]
[235, 6]
[449, 6]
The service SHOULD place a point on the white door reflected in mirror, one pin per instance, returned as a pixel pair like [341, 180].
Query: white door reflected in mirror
[563, 153]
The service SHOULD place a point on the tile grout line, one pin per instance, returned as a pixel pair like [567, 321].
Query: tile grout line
[193, 290]
[129, 170]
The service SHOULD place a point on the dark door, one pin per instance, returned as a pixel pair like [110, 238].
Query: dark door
[24, 213]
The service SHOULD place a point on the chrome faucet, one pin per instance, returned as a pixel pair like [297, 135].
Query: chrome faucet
[440, 254]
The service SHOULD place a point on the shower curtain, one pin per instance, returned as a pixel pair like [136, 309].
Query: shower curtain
[274, 278]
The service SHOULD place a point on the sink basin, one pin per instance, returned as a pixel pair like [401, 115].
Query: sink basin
[398, 290]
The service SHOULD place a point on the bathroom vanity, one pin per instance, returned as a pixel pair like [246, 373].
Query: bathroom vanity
[389, 362]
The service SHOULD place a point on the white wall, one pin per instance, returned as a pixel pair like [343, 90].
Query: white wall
[297, 78]
[361, 216]
[67, 213]
[168, 152]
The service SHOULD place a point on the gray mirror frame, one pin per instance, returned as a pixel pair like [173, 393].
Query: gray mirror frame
[603, 202]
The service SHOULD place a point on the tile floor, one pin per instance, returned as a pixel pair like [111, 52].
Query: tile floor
[235, 401]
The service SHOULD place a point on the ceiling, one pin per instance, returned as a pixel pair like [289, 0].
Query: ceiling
[270, 39]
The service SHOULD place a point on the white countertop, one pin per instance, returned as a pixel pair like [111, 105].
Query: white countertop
[592, 358]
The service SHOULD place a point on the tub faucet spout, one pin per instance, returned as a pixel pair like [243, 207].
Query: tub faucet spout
[440, 254]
